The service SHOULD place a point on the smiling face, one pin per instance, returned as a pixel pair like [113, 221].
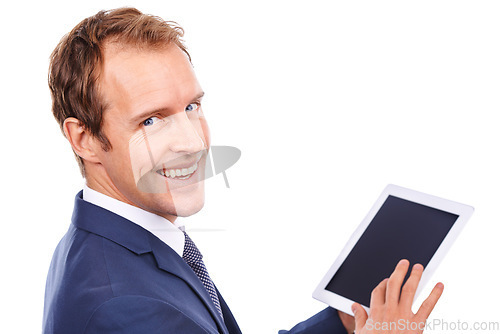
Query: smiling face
[157, 130]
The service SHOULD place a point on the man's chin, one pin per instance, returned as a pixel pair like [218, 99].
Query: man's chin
[168, 200]
[188, 207]
[188, 211]
[180, 206]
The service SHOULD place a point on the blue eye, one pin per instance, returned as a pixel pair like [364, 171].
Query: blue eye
[150, 121]
[192, 107]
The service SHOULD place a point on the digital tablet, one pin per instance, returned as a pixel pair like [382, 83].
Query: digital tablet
[403, 224]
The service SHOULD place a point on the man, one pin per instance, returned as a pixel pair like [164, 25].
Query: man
[127, 99]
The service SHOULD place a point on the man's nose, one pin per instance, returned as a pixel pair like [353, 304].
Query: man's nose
[188, 135]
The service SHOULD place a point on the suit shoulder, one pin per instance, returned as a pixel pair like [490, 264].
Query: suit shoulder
[77, 281]
[140, 314]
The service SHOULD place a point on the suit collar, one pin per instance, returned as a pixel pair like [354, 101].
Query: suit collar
[96, 220]
[165, 230]
[109, 225]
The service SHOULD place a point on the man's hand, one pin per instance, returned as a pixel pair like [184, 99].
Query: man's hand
[348, 322]
[390, 307]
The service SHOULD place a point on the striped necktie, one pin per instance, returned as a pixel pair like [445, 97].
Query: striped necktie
[193, 258]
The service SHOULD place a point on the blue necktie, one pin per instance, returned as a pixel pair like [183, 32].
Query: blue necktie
[193, 258]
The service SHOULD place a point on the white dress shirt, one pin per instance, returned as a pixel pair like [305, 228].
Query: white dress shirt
[168, 232]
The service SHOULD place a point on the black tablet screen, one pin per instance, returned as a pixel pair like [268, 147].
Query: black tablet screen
[400, 230]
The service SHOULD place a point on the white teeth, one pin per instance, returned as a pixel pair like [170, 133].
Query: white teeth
[183, 173]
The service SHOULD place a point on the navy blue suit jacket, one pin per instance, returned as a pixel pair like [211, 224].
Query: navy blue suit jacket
[109, 275]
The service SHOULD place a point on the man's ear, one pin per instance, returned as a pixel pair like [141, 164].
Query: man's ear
[82, 142]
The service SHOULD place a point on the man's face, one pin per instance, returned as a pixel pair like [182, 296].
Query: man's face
[157, 130]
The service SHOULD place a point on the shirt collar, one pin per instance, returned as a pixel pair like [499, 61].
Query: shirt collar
[168, 232]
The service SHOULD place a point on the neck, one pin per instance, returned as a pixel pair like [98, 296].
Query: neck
[106, 187]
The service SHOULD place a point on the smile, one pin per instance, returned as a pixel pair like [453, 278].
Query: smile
[179, 174]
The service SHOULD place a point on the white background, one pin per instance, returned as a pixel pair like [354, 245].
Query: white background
[328, 102]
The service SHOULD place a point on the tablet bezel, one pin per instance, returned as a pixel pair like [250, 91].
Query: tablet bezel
[463, 211]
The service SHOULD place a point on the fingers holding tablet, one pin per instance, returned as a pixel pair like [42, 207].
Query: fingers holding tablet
[377, 300]
[428, 305]
[411, 285]
[390, 305]
[395, 282]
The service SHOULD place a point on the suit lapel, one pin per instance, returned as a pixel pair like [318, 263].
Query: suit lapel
[111, 226]
[229, 321]
[164, 256]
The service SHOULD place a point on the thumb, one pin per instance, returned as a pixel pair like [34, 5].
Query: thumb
[360, 316]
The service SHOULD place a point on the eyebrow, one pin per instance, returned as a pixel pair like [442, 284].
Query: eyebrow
[149, 113]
